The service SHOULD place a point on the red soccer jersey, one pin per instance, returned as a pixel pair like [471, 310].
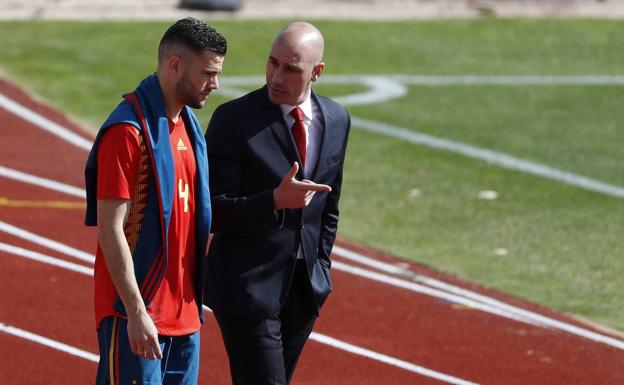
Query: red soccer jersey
[174, 307]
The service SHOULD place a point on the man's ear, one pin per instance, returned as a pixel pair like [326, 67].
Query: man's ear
[175, 64]
[318, 71]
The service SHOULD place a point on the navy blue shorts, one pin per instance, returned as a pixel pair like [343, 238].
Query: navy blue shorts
[119, 366]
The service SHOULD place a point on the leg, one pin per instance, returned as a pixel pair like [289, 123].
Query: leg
[254, 349]
[180, 366]
[118, 365]
[298, 317]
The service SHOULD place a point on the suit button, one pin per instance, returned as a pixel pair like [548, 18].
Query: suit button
[302, 226]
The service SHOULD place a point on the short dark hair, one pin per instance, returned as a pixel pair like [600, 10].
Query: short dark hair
[194, 35]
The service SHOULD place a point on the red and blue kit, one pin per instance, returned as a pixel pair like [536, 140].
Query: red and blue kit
[140, 156]
[123, 173]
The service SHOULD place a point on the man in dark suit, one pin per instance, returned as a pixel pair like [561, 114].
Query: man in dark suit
[276, 158]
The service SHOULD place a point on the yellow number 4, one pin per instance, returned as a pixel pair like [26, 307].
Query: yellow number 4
[184, 194]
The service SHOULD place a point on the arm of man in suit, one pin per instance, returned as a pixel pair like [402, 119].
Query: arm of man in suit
[294, 194]
[231, 209]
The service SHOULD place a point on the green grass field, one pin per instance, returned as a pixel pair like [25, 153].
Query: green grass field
[565, 247]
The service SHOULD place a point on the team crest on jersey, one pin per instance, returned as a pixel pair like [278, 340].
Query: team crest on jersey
[181, 146]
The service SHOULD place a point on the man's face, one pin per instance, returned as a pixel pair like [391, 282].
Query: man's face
[199, 77]
[289, 74]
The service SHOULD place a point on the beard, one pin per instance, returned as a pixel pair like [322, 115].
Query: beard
[188, 95]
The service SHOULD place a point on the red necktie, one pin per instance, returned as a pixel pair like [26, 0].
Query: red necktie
[298, 132]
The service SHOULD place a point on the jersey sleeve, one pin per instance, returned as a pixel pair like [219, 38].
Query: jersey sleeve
[118, 158]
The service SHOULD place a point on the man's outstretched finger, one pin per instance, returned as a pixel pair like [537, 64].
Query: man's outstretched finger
[317, 187]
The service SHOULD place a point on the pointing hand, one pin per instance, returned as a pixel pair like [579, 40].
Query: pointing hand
[294, 194]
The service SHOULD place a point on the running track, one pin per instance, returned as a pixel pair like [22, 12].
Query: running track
[387, 321]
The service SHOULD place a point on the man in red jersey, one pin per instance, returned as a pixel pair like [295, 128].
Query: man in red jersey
[147, 192]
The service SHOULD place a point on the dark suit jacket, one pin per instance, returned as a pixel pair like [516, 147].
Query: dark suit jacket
[252, 255]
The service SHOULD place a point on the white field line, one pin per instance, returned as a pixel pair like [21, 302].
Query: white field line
[46, 242]
[375, 356]
[488, 155]
[371, 262]
[38, 257]
[536, 318]
[492, 157]
[337, 265]
[509, 311]
[42, 182]
[387, 359]
[341, 252]
[48, 342]
[340, 345]
[457, 80]
[380, 88]
[436, 289]
[426, 290]
[320, 338]
[506, 80]
[385, 87]
[44, 123]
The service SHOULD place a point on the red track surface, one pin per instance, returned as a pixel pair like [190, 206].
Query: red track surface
[423, 330]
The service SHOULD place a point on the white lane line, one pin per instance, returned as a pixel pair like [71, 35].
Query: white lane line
[35, 256]
[507, 80]
[325, 339]
[375, 356]
[522, 316]
[48, 342]
[386, 87]
[421, 289]
[41, 182]
[46, 242]
[371, 262]
[387, 359]
[443, 291]
[45, 123]
[337, 265]
[493, 157]
[452, 80]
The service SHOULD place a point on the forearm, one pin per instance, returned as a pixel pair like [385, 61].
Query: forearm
[244, 213]
[112, 215]
[121, 269]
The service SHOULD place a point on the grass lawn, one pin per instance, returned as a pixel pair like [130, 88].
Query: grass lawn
[564, 244]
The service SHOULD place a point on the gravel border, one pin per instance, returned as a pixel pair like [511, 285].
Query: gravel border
[311, 9]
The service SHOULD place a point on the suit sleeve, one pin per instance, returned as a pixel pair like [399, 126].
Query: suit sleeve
[329, 220]
[233, 211]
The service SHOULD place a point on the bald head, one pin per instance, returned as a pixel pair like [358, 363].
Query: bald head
[295, 62]
[303, 38]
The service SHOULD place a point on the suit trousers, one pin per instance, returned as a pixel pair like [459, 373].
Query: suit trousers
[265, 352]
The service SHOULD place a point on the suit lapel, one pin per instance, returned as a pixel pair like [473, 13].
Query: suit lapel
[281, 132]
[324, 141]
[285, 139]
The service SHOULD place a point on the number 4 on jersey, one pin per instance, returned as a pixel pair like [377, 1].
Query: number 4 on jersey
[183, 191]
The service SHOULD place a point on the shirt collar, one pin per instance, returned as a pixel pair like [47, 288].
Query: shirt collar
[306, 107]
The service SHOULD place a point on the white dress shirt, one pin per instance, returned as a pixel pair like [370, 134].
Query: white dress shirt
[312, 121]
